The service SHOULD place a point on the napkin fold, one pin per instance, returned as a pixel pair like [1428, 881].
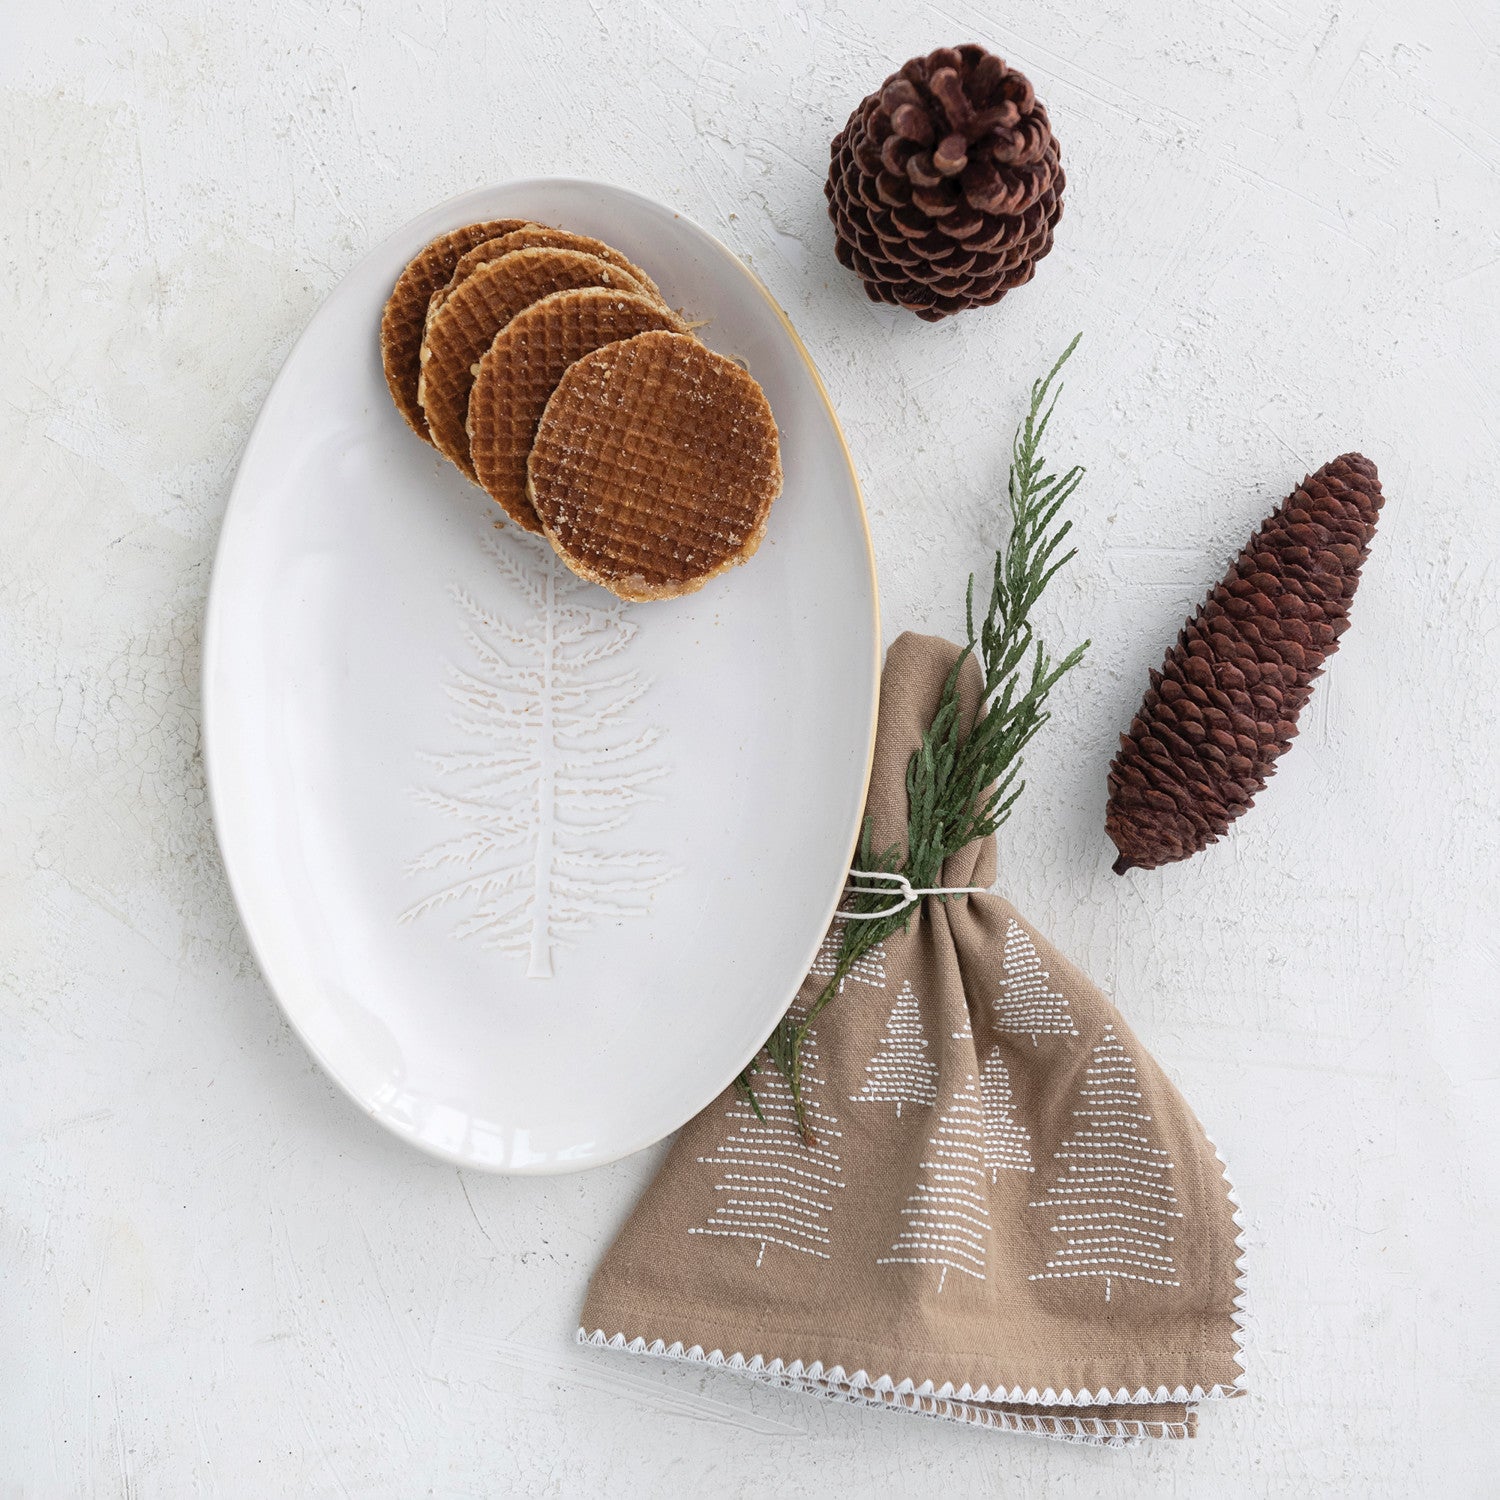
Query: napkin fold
[1010, 1217]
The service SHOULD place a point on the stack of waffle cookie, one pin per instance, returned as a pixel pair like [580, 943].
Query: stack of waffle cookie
[551, 370]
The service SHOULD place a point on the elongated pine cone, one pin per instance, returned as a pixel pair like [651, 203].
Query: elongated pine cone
[945, 185]
[1226, 700]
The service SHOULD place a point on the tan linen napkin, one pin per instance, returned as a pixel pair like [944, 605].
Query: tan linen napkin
[1009, 1218]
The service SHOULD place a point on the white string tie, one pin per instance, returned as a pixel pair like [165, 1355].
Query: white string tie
[901, 891]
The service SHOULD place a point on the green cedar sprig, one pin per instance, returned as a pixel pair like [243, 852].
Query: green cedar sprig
[961, 787]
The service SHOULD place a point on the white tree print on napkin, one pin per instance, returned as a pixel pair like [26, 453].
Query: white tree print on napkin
[868, 968]
[1027, 1005]
[551, 762]
[901, 1072]
[775, 1188]
[1007, 1145]
[947, 1218]
[1113, 1204]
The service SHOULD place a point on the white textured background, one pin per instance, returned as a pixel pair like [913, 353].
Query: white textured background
[1281, 240]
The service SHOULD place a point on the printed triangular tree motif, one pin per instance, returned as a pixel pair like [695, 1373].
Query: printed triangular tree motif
[1027, 1005]
[868, 968]
[1007, 1146]
[774, 1188]
[1113, 1204]
[947, 1218]
[901, 1072]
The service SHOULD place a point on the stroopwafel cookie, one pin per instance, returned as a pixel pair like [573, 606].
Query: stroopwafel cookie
[466, 323]
[521, 369]
[654, 466]
[541, 236]
[405, 314]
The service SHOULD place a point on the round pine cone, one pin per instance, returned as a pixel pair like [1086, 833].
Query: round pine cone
[945, 185]
[1226, 700]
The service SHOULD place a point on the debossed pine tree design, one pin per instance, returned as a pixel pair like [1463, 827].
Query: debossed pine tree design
[551, 761]
[1112, 1204]
[1027, 1004]
[901, 1072]
[1007, 1146]
[947, 1218]
[775, 1188]
[868, 968]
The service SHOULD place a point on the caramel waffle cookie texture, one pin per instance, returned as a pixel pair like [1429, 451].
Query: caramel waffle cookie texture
[405, 314]
[484, 251]
[542, 237]
[522, 368]
[474, 312]
[654, 466]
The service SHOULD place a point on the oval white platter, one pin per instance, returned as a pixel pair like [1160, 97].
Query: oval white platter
[532, 872]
